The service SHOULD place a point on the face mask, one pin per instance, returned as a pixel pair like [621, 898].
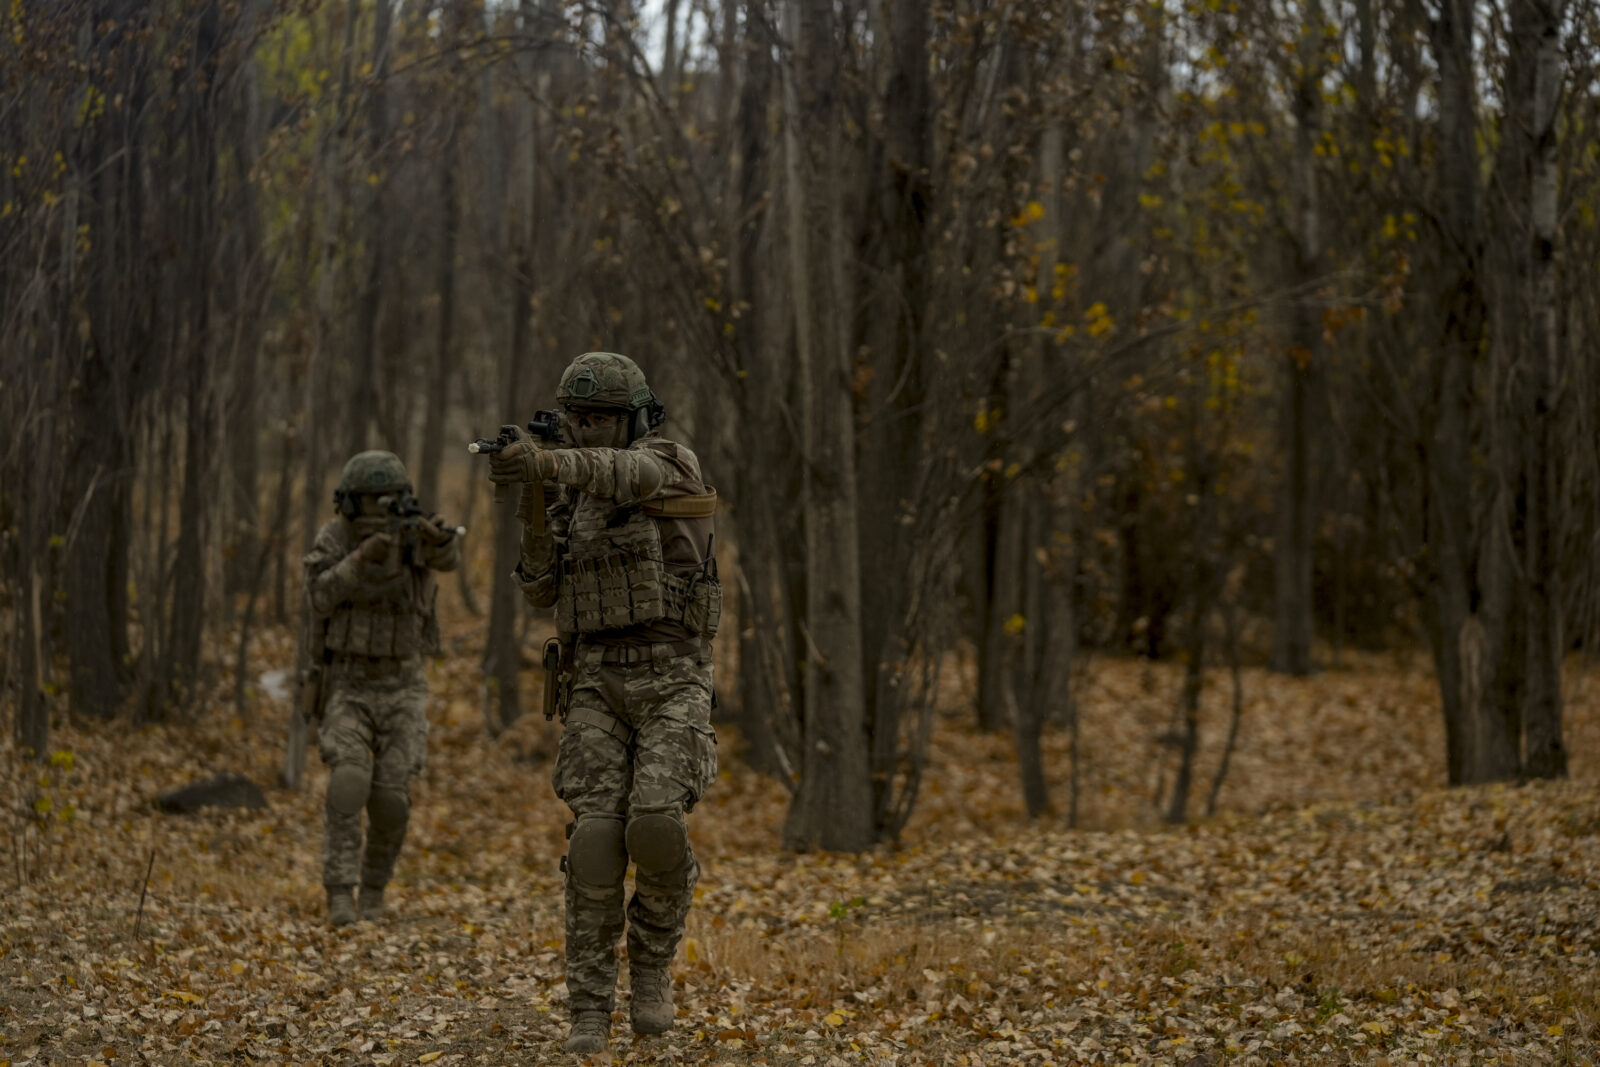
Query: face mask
[600, 432]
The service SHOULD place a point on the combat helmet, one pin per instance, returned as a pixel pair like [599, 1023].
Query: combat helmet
[369, 472]
[608, 381]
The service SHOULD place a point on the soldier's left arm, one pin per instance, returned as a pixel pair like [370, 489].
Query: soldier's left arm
[626, 476]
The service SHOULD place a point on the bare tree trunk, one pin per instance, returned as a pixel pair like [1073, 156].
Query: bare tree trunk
[195, 205]
[438, 400]
[765, 658]
[1464, 596]
[1293, 630]
[1536, 27]
[1048, 638]
[1188, 737]
[363, 384]
[503, 653]
[1230, 618]
[833, 808]
[669, 52]
[895, 397]
[189, 588]
[319, 372]
[1039, 666]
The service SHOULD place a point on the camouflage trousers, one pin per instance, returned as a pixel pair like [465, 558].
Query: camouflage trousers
[376, 723]
[671, 760]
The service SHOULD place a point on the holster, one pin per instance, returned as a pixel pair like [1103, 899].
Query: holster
[313, 692]
[554, 680]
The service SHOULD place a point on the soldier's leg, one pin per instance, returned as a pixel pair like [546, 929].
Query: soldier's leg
[675, 761]
[344, 740]
[592, 775]
[401, 750]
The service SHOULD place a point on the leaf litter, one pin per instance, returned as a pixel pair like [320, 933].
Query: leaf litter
[1342, 908]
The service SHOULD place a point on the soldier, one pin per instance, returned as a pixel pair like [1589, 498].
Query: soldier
[625, 557]
[370, 592]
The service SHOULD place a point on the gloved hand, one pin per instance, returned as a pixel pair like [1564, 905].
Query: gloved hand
[377, 557]
[434, 531]
[520, 461]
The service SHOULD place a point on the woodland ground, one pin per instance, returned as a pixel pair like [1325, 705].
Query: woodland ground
[1343, 907]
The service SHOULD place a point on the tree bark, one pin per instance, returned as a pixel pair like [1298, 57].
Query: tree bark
[833, 808]
[1293, 629]
[1465, 596]
[1536, 27]
[893, 400]
[438, 400]
[363, 384]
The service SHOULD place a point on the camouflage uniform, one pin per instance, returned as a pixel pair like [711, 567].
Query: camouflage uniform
[626, 561]
[372, 623]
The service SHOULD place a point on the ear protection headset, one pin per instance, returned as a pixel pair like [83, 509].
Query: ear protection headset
[347, 504]
[646, 418]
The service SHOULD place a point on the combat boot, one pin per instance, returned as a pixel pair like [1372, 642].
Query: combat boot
[650, 1010]
[371, 903]
[591, 1032]
[341, 905]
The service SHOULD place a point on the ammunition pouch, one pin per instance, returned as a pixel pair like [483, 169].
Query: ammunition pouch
[371, 632]
[609, 592]
[695, 600]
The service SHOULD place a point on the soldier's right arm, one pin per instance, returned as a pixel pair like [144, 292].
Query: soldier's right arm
[541, 553]
[330, 568]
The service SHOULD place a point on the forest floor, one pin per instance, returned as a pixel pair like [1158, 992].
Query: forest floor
[1341, 907]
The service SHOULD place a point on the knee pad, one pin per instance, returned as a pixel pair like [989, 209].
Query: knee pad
[658, 839]
[348, 788]
[596, 855]
[388, 808]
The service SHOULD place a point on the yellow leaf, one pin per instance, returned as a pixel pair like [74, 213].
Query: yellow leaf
[1015, 625]
[834, 1019]
[184, 995]
[429, 1057]
[236, 967]
[1555, 1031]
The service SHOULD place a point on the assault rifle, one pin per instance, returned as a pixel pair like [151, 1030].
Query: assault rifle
[409, 524]
[544, 426]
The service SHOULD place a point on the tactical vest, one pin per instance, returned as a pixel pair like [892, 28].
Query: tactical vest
[612, 575]
[392, 619]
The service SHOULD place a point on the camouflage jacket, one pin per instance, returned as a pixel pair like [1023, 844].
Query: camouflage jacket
[594, 488]
[367, 610]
